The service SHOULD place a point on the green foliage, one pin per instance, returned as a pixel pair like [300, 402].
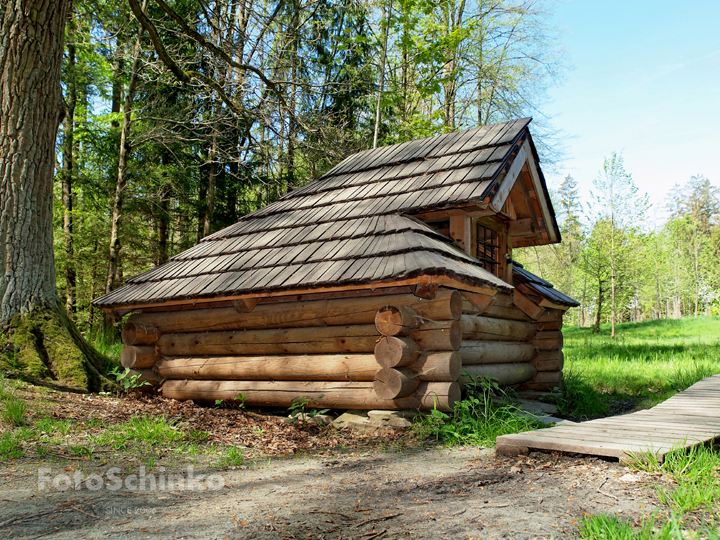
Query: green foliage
[231, 456]
[127, 381]
[667, 269]
[144, 430]
[14, 411]
[151, 430]
[645, 364]
[605, 528]
[234, 403]
[10, 446]
[478, 419]
[300, 409]
[696, 473]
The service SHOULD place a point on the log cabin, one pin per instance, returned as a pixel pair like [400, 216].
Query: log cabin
[385, 284]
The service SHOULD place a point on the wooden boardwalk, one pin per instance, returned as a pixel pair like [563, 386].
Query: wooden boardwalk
[687, 419]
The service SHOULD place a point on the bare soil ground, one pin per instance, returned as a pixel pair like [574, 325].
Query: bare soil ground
[308, 483]
[433, 493]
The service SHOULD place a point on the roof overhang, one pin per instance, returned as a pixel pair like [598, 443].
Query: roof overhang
[420, 285]
[522, 199]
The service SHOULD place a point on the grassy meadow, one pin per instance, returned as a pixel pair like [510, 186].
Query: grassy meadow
[643, 365]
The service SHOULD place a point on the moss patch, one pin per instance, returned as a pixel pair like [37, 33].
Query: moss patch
[46, 345]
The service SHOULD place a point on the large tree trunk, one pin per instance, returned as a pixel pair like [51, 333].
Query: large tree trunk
[46, 343]
[31, 46]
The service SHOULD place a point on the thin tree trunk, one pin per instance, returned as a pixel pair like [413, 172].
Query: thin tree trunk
[31, 49]
[164, 218]
[212, 174]
[386, 21]
[68, 172]
[596, 328]
[612, 265]
[697, 263]
[201, 211]
[93, 281]
[113, 273]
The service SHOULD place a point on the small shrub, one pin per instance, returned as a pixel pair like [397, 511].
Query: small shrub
[14, 411]
[580, 399]
[477, 420]
[696, 473]
[234, 403]
[81, 450]
[127, 381]
[300, 412]
[198, 435]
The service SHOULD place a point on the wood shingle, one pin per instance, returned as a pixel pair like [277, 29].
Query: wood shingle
[351, 226]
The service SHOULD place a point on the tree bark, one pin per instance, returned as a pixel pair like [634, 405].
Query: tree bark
[612, 271]
[596, 327]
[31, 47]
[125, 148]
[68, 172]
[45, 342]
[386, 20]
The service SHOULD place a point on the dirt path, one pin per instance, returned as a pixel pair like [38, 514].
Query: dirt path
[434, 493]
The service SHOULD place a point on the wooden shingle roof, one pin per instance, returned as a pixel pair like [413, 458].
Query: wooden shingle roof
[349, 227]
[540, 286]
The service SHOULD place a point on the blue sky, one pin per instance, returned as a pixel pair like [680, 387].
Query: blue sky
[645, 82]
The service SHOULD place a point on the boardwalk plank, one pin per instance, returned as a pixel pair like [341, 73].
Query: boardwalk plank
[689, 418]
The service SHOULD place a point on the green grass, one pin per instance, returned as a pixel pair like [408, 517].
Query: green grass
[4, 391]
[606, 527]
[644, 365]
[477, 420]
[14, 411]
[696, 475]
[144, 430]
[10, 446]
[231, 456]
[106, 343]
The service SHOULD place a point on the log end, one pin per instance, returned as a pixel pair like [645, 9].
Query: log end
[393, 352]
[455, 335]
[396, 321]
[392, 383]
[456, 305]
[127, 356]
[139, 334]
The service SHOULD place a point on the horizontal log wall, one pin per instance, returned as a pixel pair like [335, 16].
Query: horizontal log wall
[498, 341]
[440, 366]
[275, 352]
[495, 352]
[504, 374]
[549, 360]
[386, 352]
[327, 367]
[335, 395]
[447, 305]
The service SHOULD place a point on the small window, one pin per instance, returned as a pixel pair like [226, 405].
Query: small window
[488, 249]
